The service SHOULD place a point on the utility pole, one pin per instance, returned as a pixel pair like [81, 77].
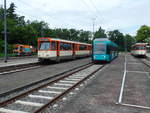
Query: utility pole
[93, 19]
[5, 31]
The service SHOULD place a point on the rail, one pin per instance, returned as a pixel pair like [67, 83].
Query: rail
[71, 79]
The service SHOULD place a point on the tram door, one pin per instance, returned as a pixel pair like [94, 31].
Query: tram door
[58, 48]
[73, 48]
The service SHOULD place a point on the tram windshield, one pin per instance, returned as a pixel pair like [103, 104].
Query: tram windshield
[140, 47]
[99, 48]
[45, 46]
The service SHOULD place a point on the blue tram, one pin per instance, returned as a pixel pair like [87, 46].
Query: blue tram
[103, 50]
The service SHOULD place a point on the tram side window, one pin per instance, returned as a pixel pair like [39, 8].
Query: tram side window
[108, 49]
[142, 47]
[53, 45]
[61, 46]
[82, 47]
[135, 48]
[65, 46]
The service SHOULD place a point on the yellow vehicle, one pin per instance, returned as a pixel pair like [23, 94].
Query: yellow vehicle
[21, 50]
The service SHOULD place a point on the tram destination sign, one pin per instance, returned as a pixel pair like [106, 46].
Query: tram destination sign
[43, 39]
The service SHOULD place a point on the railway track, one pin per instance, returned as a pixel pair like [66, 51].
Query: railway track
[38, 99]
[36, 83]
[146, 62]
[23, 67]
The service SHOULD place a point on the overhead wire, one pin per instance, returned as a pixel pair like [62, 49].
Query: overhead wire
[51, 16]
[98, 11]
[94, 16]
[30, 6]
[88, 8]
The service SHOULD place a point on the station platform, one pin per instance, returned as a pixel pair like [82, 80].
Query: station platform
[14, 62]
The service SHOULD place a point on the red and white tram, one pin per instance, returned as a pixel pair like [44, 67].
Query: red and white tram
[57, 49]
[139, 49]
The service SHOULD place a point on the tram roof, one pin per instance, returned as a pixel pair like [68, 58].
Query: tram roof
[62, 40]
[138, 44]
[105, 40]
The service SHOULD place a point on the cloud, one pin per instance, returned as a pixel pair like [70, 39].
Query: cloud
[125, 15]
[128, 15]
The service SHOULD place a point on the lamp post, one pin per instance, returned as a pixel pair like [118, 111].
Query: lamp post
[93, 19]
[5, 31]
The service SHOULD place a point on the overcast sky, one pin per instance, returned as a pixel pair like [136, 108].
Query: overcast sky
[125, 15]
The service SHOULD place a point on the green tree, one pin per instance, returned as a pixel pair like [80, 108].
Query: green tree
[74, 34]
[1, 21]
[143, 34]
[100, 33]
[1, 29]
[117, 37]
[130, 40]
[11, 12]
[15, 25]
[85, 36]
[27, 32]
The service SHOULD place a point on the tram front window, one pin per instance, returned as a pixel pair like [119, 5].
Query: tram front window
[99, 48]
[45, 46]
[140, 48]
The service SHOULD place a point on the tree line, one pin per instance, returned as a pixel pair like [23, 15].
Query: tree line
[20, 31]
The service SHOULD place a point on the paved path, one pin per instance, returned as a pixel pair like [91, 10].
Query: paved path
[102, 93]
[13, 62]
